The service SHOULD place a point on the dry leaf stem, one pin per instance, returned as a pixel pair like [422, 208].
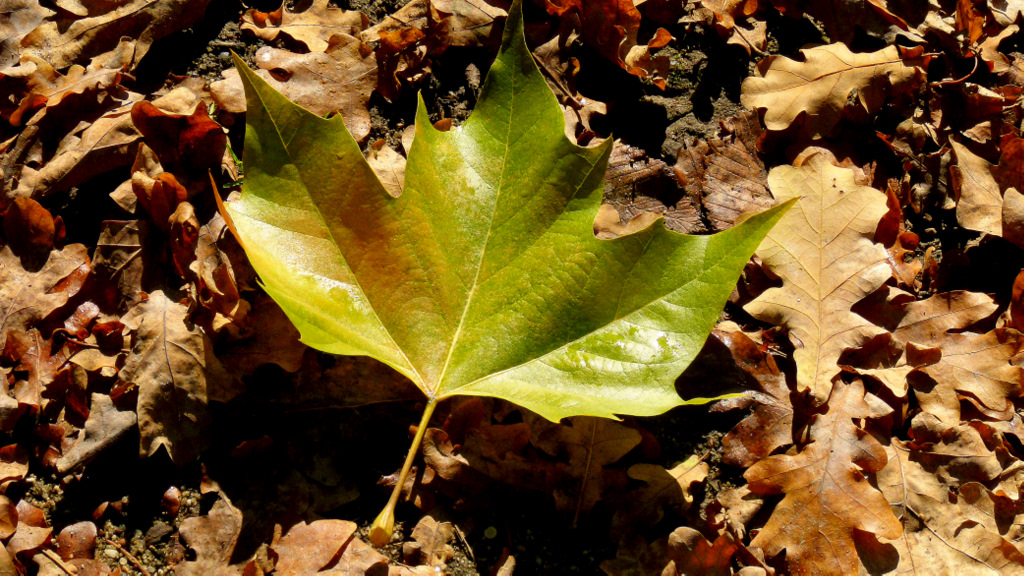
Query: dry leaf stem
[384, 525]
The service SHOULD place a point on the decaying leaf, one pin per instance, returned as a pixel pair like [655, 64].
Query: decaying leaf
[171, 366]
[824, 253]
[817, 88]
[105, 426]
[828, 497]
[213, 537]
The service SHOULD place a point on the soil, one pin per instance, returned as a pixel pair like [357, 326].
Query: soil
[326, 462]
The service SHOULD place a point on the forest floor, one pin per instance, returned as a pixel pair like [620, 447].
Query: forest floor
[254, 450]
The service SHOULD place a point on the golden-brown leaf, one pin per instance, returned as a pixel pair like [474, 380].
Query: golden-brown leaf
[980, 204]
[313, 26]
[817, 89]
[824, 253]
[828, 497]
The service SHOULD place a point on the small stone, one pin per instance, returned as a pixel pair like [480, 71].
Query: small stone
[123, 561]
[110, 553]
[490, 532]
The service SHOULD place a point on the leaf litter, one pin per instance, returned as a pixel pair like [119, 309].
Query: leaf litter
[111, 241]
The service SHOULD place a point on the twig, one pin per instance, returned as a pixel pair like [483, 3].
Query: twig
[69, 570]
[135, 561]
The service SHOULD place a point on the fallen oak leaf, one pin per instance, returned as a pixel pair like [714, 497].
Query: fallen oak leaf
[430, 543]
[338, 80]
[980, 201]
[104, 427]
[19, 18]
[213, 536]
[583, 325]
[824, 253]
[692, 553]
[312, 27]
[309, 548]
[827, 493]
[817, 88]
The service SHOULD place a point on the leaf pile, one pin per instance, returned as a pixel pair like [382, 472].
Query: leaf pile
[159, 412]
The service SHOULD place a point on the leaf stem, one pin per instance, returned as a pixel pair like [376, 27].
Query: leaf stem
[384, 525]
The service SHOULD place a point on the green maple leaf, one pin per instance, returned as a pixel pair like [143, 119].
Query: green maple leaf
[485, 277]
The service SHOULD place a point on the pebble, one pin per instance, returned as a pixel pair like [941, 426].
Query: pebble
[490, 532]
[110, 553]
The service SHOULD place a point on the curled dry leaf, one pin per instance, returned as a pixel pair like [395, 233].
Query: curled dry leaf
[611, 27]
[824, 253]
[188, 145]
[312, 27]
[32, 532]
[770, 425]
[8, 517]
[77, 541]
[828, 496]
[692, 553]
[99, 27]
[430, 546]
[817, 88]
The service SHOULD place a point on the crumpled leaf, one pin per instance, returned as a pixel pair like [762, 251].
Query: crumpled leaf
[611, 27]
[942, 534]
[692, 553]
[312, 27]
[824, 253]
[485, 277]
[99, 27]
[827, 493]
[430, 546]
[770, 425]
[817, 89]
[28, 296]
[173, 369]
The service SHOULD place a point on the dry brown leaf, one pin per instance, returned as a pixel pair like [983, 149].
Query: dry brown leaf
[338, 80]
[980, 202]
[28, 296]
[663, 488]
[472, 22]
[770, 425]
[18, 18]
[388, 165]
[430, 543]
[824, 253]
[941, 534]
[611, 28]
[972, 365]
[818, 88]
[39, 86]
[312, 27]
[98, 29]
[96, 147]
[213, 537]
[691, 553]
[590, 444]
[308, 548]
[104, 427]
[173, 369]
[119, 262]
[32, 532]
[726, 173]
[828, 496]
[639, 188]
[77, 541]
[733, 509]
[963, 452]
